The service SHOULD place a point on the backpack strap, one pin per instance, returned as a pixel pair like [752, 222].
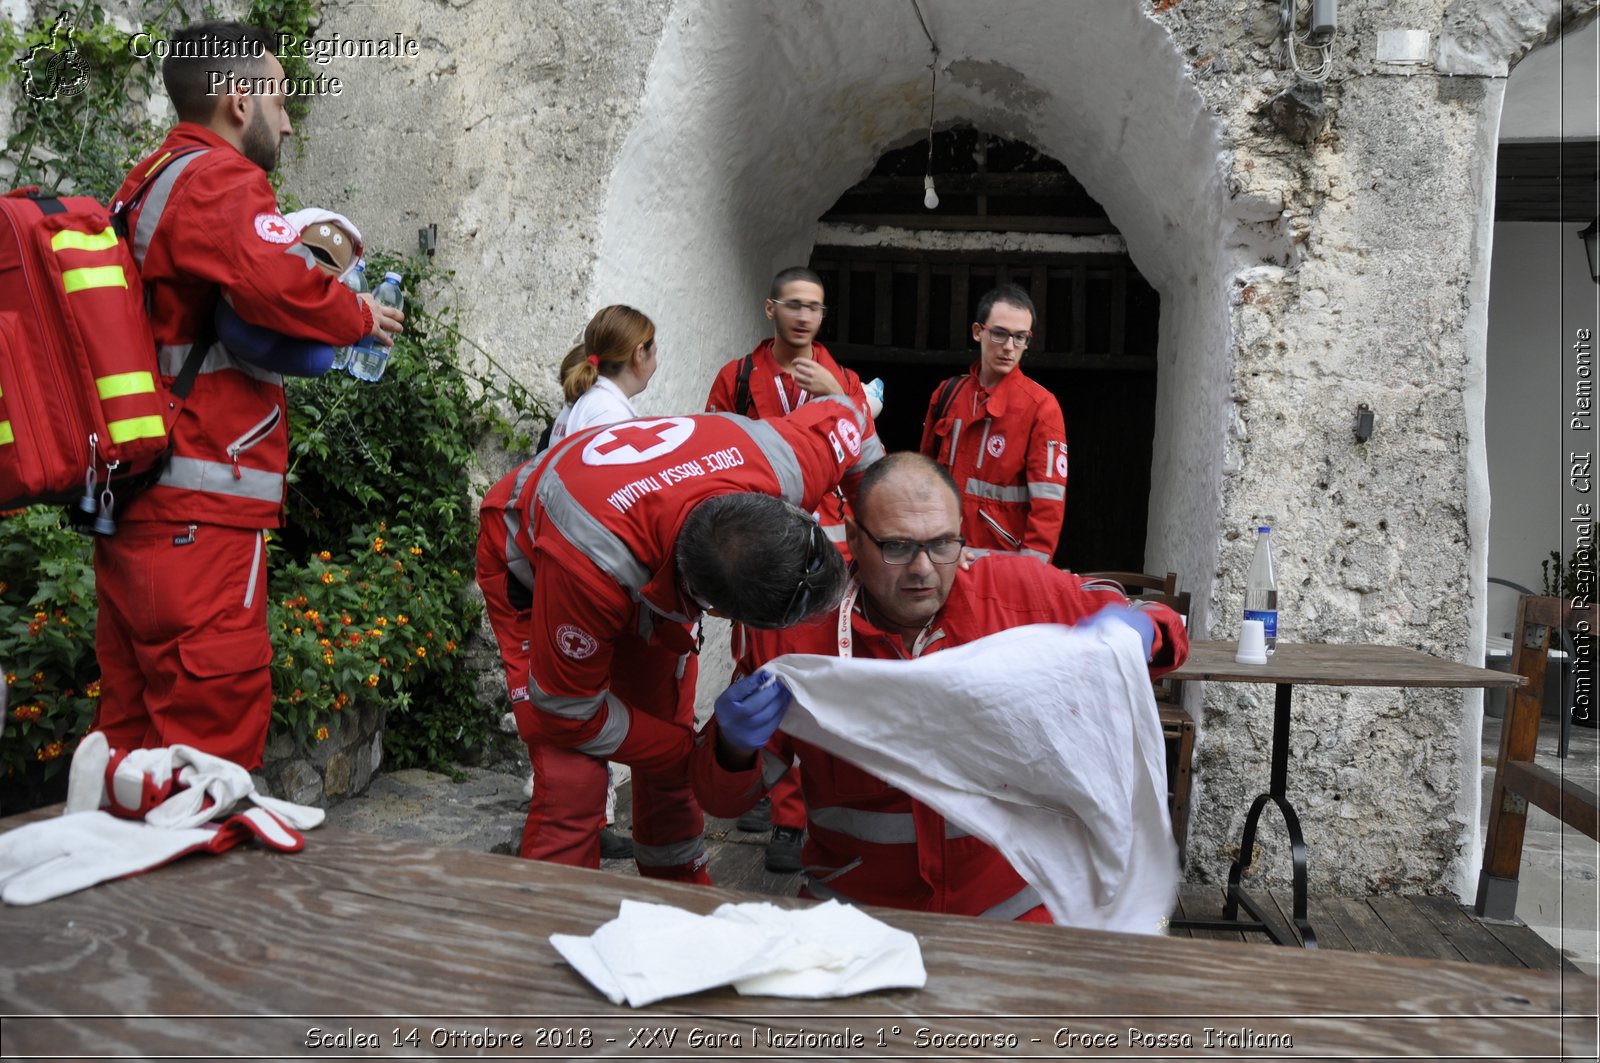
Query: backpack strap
[741, 388]
[183, 383]
[947, 394]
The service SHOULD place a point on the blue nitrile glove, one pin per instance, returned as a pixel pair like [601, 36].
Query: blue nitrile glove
[271, 350]
[1120, 614]
[749, 711]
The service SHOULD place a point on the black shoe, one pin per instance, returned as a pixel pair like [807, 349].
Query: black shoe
[783, 851]
[758, 819]
[614, 846]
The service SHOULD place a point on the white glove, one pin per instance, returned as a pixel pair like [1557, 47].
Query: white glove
[58, 856]
[175, 787]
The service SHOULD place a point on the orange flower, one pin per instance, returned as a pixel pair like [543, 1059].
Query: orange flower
[377, 545]
[449, 646]
[11, 677]
[383, 621]
[416, 551]
[422, 651]
[297, 631]
[324, 642]
[322, 734]
[344, 618]
[325, 556]
[311, 614]
[92, 690]
[327, 658]
[372, 680]
[38, 677]
[26, 712]
[49, 752]
[327, 577]
[3, 586]
[340, 700]
[402, 618]
[41, 615]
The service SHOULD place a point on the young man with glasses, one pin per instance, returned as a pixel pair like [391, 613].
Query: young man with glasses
[869, 842]
[785, 371]
[1002, 436]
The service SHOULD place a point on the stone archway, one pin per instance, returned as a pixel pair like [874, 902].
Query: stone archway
[756, 118]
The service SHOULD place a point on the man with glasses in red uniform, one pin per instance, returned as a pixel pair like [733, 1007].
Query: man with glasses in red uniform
[868, 842]
[1002, 436]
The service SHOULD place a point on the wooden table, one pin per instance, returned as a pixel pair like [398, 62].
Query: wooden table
[367, 940]
[1317, 665]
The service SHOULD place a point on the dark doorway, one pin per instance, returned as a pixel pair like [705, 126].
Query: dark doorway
[904, 313]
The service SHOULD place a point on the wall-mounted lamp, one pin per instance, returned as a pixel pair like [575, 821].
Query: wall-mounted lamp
[1364, 419]
[1591, 247]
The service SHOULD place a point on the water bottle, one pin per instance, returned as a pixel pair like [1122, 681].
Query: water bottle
[1261, 590]
[356, 281]
[370, 358]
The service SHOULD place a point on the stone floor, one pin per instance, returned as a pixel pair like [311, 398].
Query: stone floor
[1558, 893]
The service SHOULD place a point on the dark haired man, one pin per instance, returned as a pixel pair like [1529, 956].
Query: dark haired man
[636, 529]
[182, 631]
[785, 370]
[868, 842]
[1002, 436]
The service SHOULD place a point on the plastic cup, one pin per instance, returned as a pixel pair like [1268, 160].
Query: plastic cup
[1252, 643]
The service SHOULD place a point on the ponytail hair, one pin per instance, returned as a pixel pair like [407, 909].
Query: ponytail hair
[614, 333]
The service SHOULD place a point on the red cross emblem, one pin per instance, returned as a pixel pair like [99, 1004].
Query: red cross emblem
[631, 442]
[575, 642]
[275, 229]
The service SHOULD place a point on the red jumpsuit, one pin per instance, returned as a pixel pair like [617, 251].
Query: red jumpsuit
[869, 843]
[182, 629]
[1007, 450]
[568, 806]
[773, 393]
[612, 645]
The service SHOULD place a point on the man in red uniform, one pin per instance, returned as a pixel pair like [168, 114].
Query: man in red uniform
[638, 528]
[771, 381]
[1002, 436]
[870, 843]
[182, 629]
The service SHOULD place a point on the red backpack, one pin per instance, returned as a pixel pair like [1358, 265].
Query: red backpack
[83, 409]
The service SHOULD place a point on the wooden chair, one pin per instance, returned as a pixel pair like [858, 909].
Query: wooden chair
[1518, 780]
[1177, 727]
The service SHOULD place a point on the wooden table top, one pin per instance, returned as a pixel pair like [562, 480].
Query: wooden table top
[361, 938]
[1354, 665]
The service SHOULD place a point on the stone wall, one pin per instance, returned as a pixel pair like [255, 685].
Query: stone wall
[329, 771]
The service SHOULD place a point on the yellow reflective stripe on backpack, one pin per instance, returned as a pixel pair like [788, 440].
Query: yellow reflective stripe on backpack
[119, 385]
[152, 427]
[6, 435]
[72, 240]
[77, 280]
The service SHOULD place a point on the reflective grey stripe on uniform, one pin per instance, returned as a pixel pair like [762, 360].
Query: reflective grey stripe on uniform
[516, 560]
[779, 454]
[171, 359]
[581, 707]
[155, 204]
[871, 451]
[1037, 554]
[613, 732]
[1053, 492]
[996, 492]
[773, 768]
[856, 411]
[1024, 900]
[302, 252]
[827, 893]
[834, 532]
[879, 828]
[217, 477]
[673, 855]
[580, 528]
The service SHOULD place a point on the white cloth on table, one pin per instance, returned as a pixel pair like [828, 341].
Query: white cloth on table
[1044, 741]
[654, 951]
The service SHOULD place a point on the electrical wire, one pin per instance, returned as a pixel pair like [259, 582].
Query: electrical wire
[1291, 49]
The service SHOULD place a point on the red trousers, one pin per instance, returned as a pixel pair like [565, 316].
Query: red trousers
[182, 639]
[788, 803]
[569, 788]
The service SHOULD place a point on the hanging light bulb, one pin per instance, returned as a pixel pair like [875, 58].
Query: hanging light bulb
[930, 198]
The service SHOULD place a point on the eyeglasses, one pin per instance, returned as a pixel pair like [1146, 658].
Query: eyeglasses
[1004, 336]
[905, 551]
[795, 306]
[800, 601]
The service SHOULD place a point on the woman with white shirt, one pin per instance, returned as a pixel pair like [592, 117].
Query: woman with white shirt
[601, 375]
